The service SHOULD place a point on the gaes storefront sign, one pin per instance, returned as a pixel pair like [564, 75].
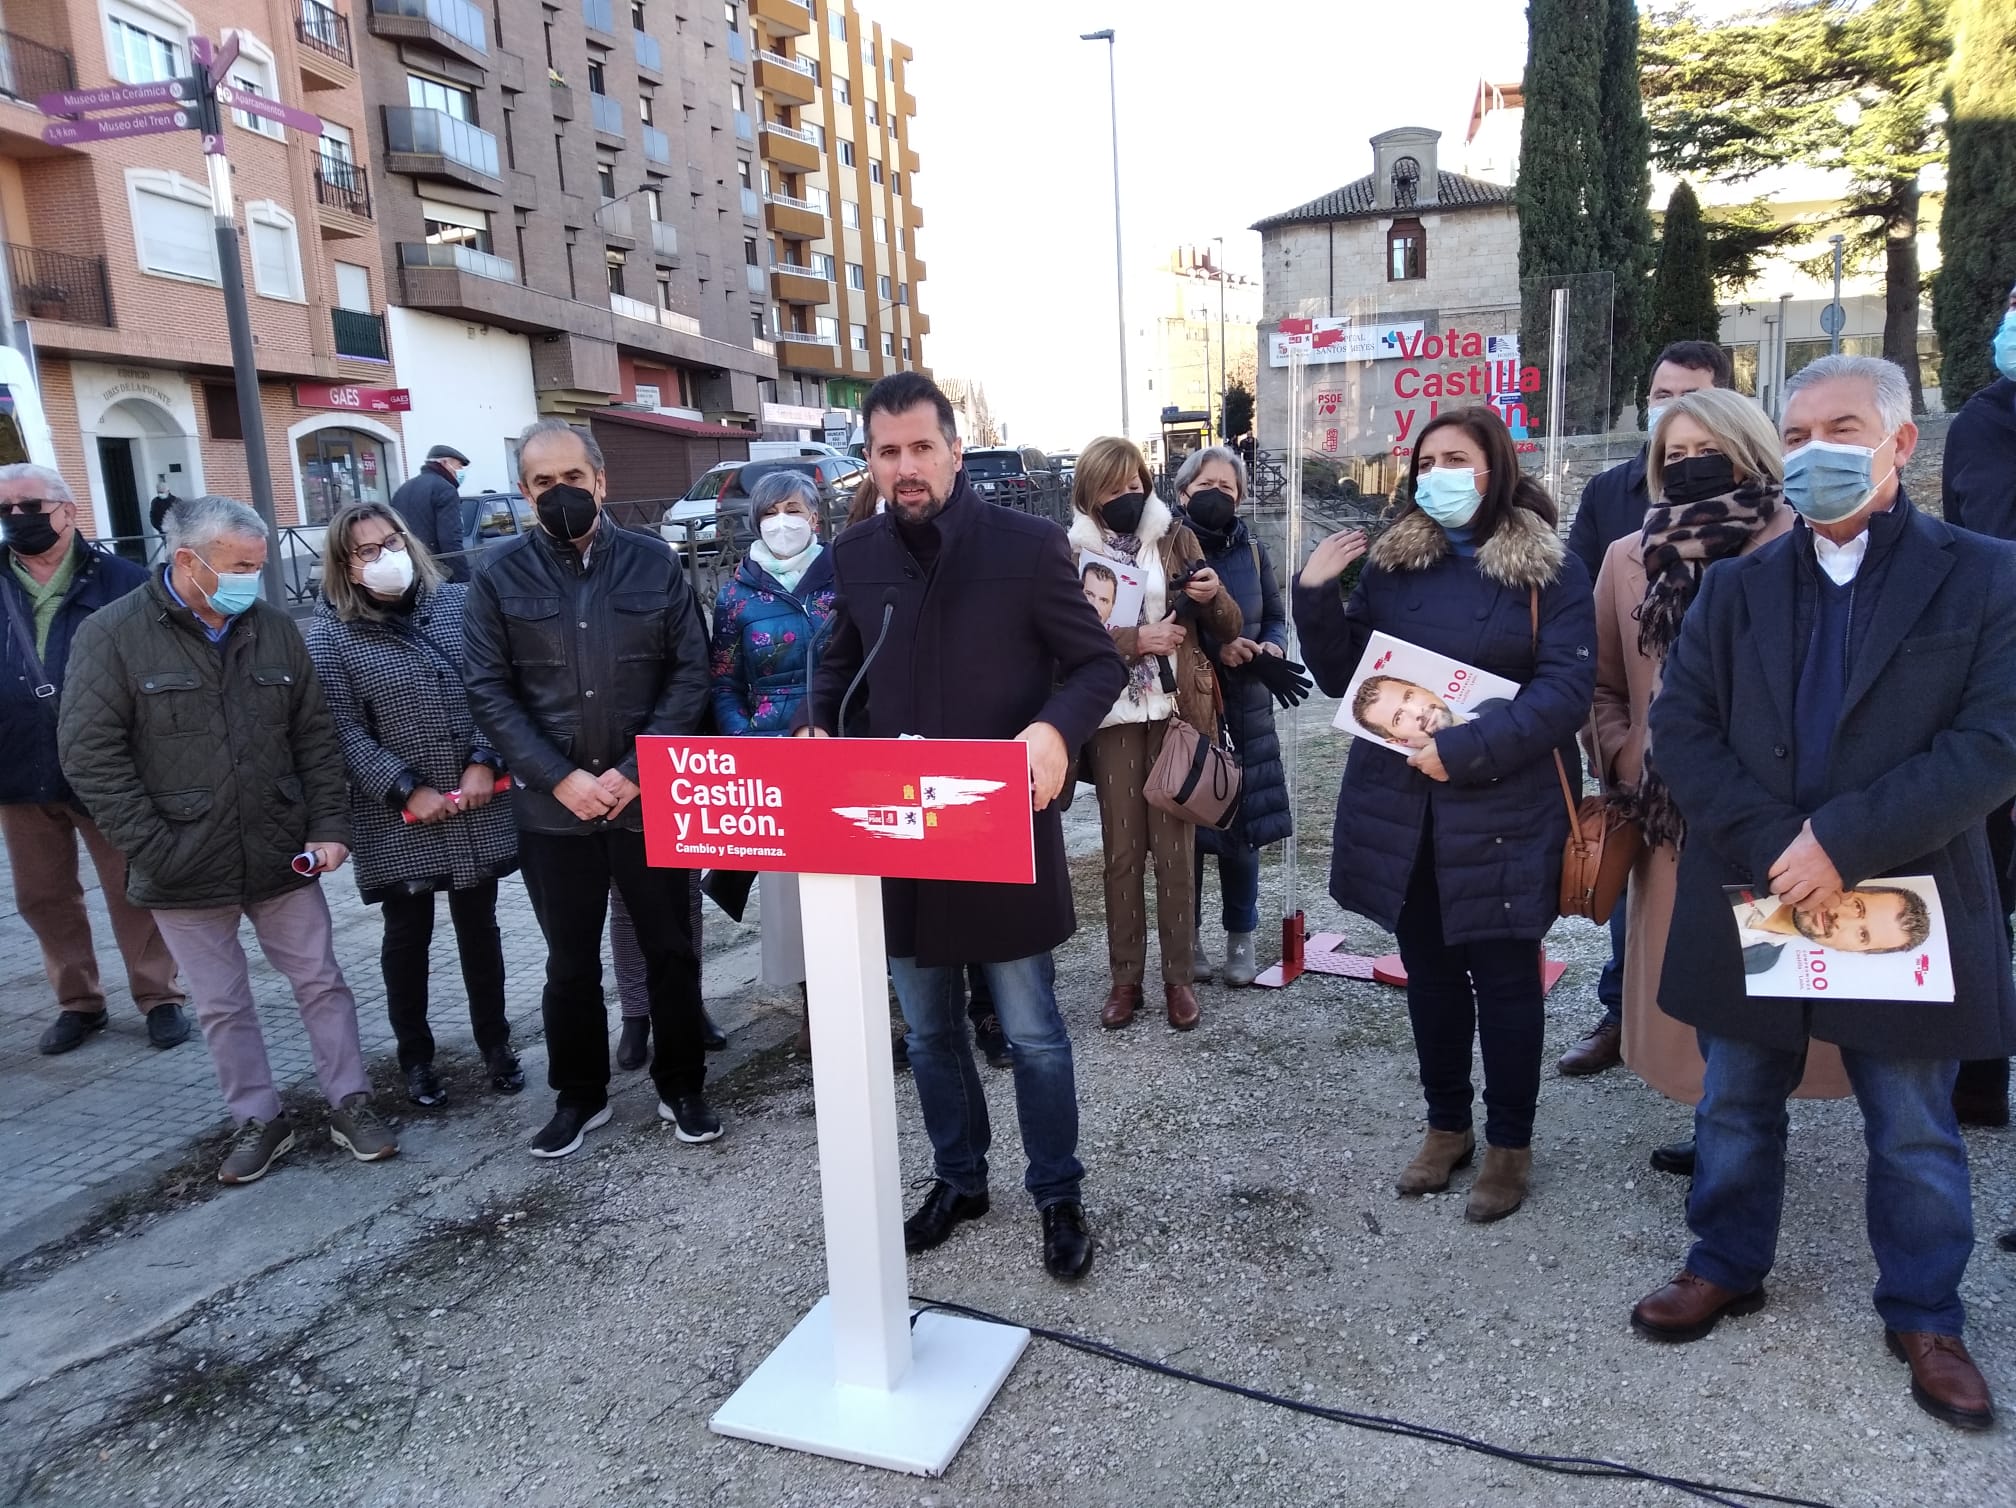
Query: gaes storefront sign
[362, 400]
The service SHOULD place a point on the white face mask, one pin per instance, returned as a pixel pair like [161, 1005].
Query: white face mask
[786, 534]
[390, 574]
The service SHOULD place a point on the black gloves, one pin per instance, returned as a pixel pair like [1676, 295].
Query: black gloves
[1283, 678]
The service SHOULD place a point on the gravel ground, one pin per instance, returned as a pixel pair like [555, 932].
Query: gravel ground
[558, 1335]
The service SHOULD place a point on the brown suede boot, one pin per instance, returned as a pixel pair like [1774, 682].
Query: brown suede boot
[1501, 1187]
[801, 1046]
[1442, 1152]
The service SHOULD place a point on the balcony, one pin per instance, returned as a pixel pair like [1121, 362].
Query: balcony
[793, 148]
[782, 18]
[613, 218]
[344, 189]
[651, 314]
[793, 284]
[765, 347]
[745, 129]
[650, 57]
[793, 219]
[806, 352]
[59, 285]
[31, 69]
[752, 204]
[563, 100]
[738, 49]
[785, 78]
[607, 113]
[657, 146]
[326, 59]
[434, 144]
[665, 240]
[359, 336]
[755, 278]
[455, 27]
[600, 16]
[451, 257]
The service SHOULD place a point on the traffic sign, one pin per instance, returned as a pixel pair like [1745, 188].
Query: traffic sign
[116, 97]
[69, 133]
[1833, 319]
[232, 98]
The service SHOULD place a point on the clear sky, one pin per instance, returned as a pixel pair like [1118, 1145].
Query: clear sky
[1229, 111]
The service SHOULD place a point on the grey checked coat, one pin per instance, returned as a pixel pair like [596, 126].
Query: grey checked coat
[396, 690]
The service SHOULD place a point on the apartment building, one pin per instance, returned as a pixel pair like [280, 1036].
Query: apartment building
[833, 115]
[113, 265]
[564, 203]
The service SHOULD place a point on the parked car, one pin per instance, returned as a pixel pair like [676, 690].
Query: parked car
[724, 492]
[1015, 478]
[1066, 464]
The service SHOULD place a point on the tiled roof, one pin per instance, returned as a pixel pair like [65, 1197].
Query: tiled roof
[1354, 201]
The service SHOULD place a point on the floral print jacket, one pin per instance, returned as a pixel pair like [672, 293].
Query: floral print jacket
[766, 641]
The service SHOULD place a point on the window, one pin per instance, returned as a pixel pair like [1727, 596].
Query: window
[828, 328]
[637, 15]
[1406, 251]
[560, 161]
[598, 79]
[756, 326]
[646, 108]
[906, 348]
[145, 42]
[872, 120]
[424, 93]
[896, 184]
[173, 229]
[452, 225]
[822, 265]
[276, 252]
[858, 334]
[850, 214]
[846, 153]
[903, 294]
[857, 276]
[749, 252]
[353, 287]
[654, 204]
[617, 261]
[742, 172]
[882, 286]
[882, 229]
[738, 97]
[874, 171]
[220, 406]
[818, 199]
[605, 177]
[888, 344]
[841, 94]
[731, 11]
[253, 75]
[836, 23]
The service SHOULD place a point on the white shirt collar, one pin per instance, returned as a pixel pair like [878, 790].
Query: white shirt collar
[1840, 562]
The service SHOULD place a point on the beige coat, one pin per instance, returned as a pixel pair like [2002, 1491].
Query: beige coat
[1659, 1049]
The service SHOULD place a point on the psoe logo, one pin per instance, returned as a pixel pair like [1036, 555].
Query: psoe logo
[917, 815]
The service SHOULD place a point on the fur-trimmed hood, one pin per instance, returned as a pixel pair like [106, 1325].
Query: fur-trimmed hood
[1156, 520]
[1524, 551]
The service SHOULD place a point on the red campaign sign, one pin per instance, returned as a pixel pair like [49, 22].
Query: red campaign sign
[363, 400]
[1324, 338]
[901, 808]
[1296, 326]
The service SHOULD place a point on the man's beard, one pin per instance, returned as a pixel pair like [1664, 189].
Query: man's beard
[920, 513]
[1808, 925]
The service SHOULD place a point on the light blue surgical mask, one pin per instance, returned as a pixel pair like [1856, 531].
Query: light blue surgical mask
[2005, 345]
[1827, 481]
[235, 590]
[1653, 413]
[1449, 495]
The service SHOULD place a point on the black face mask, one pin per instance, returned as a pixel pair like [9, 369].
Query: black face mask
[1212, 509]
[1697, 478]
[1123, 514]
[30, 534]
[566, 512]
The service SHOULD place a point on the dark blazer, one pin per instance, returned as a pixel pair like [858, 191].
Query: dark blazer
[1978, 480]
[1500, 819]
[1613, 506]
[1242, 563]
[999, 636]
[431, 505]
[1925, 748]
[29, 772]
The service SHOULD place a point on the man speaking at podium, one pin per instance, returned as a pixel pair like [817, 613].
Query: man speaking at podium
[970, 623]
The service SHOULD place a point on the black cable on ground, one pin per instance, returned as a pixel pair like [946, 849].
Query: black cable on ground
[1569, 1466]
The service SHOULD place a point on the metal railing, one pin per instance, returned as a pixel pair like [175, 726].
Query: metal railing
[649, 54]
[793, 132]
[457, 258]
[59, 285]
[324, 30]
[341, 184]
[599, 14]
[607, 111]
[359, 334]
[791, 63]
[458, 19]
[789, 202]
[657, 145]
[808, 338]
[29, 69]
[436, 133]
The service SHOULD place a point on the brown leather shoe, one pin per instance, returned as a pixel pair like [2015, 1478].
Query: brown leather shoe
[1182, 1001]
[1688, 1307]
[1601, 1049]
[1121, 1003]
[1442, 1152]
[1501, 1186]
[1944, 1380]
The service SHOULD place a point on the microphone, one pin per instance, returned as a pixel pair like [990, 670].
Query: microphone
[888, 612]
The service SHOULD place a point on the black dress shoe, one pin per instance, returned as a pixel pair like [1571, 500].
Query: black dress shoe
[506, 1077]
[70, 1030]
[168, 1025]
[422, 1088]
[943, 1208]
[1675, 1157]
[711, 1036]
[2007, 1240]
[1067, 1245]
[634, 1047]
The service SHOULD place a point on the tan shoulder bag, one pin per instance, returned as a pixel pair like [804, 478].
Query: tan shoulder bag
[1602, 846]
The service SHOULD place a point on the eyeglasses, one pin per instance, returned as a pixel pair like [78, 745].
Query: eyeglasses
[27, 507]
[369, 553]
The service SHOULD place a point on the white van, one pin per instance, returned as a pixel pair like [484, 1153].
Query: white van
[788, 450]
[24, 428]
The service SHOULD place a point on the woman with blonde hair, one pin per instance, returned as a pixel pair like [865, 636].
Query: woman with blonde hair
[1116, 515]
[1714, 472]
[387, 644]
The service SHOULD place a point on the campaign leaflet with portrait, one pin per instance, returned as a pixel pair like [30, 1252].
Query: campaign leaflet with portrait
[1113, 587]
[1401, 695]
[1886, 940]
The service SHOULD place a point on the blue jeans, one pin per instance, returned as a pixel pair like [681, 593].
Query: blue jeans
[1239, 884]
[1610, 983]
[1919, 1209]
[948, 1085]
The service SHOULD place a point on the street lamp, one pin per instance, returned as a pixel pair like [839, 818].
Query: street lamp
[1119, 266]
[1219, 242]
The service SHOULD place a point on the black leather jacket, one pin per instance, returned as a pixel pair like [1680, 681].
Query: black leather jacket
[570, 659]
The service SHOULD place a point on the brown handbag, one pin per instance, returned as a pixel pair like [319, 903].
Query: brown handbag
[1602, 845]
[1197, 779]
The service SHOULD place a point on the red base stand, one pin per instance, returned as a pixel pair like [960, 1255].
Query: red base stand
[1289, 969]
[1390, 970]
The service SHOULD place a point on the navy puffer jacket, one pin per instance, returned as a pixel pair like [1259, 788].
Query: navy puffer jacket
[1242, 563]
[1500, 820]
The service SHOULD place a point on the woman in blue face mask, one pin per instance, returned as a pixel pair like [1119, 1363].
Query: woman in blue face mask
[1456, 847]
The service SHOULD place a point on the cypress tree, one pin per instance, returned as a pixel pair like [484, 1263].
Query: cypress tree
[1977, 228]
[1625, 228]
[1683, 284]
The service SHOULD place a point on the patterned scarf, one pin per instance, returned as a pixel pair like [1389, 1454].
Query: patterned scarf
[1680, 541]
[1140, 673]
